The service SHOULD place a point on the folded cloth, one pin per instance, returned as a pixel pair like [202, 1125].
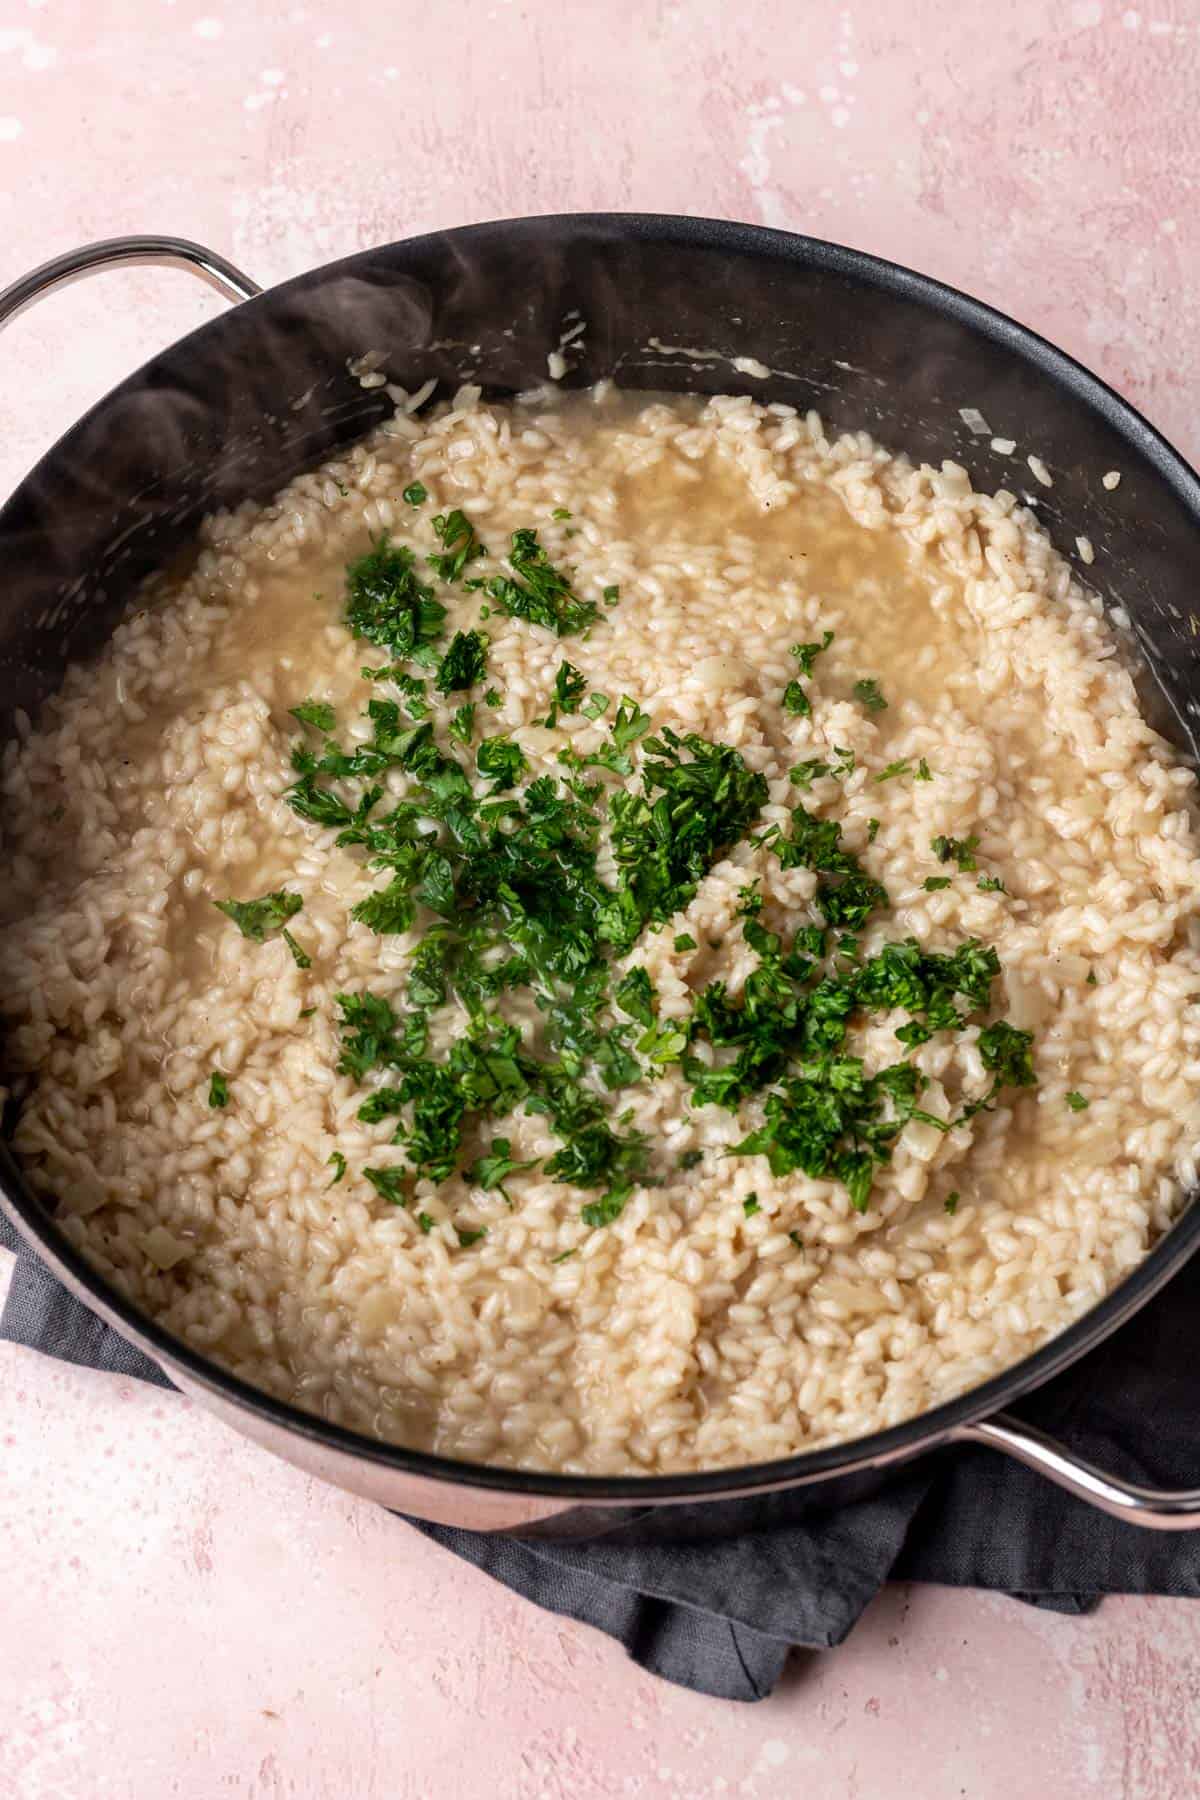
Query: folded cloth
[719, 1594]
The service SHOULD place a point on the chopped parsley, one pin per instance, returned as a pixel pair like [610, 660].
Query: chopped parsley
[950, 1203]
[538, 592]
[933, 884]
[260, 919]
[991, 884]
[872, 830]
[337, 1163]
[596, 705]
[635, 995]
[426, 1223]
[388, 604]
[467, 1238]
[611, 595]
[391, 1184]
[569, 688]
[685, 941]
[218, 1089]
[690, 1159]
[492, 1171]
[300, 957]
[807, 654]
[460, 546]
[464, 662]
[870, 694]
[501, 762]
[750, 1205]
[317, 713]
[796, 701]
[959, 850]
[1076, 1101]
[416, 493]
[893, 769]
[923, 771]
[1008, 1053]
[805, 773]
[560, 512]
[462, 723]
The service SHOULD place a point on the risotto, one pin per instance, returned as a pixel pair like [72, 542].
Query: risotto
[607, 934]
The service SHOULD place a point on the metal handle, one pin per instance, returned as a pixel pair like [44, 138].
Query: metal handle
[1158, 1509]
[127, 252]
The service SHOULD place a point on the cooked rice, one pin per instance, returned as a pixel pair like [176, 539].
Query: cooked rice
[685, 1335]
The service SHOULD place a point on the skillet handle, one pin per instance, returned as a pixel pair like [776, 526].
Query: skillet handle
[128, 252]
[1157, 1509]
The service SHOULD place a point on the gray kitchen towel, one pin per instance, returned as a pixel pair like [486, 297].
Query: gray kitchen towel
[717, 1597]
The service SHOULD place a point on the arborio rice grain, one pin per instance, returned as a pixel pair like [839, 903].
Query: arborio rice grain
[687, 1334]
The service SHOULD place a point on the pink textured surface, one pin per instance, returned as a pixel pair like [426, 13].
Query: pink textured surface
[182, 1615]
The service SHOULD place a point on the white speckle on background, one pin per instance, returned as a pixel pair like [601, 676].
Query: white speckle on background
[1086, 12]
[10, 130]
[1112, 479]
[324, 41]
[1169, 227]
[272, 77]
[840, 116]
[208, 28]
[828, 94]
[1131, 20]
[775, 1753]
[34, 56]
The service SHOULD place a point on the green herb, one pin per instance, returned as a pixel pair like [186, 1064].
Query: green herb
[933, 884]
[300, 957]
[467, 1238]
[959, 850]
[690, 1159]
[341, 487]
[317, 713]
[923, 771]
[563, 1256]
[950, 1204]
[388, 603]
[569, 687]
[218, 1089]
[610, 1208]
[663, 1043]
[464, 662]
[539, 592]
[807, 654]
[1007, 1052]
[426, 1223]
[460, 545]
[1091, 980]
[685, 941]
[991, 884]
[805, 773]
[501, 762]
[611, 595]
[872, 830]
[870, 694]
[596, 705]
[307, 1012]
[337, 1163]
[390, 1184]
[1077, 1102]
[750, 1205]
[665, 839]
[415, 493]
[493, 1170]
[635, 995]
[893, 769]
[462, 723]
[796, 701]
[261, 919]
[492, 697]
[560, 512]
[796, 1239]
